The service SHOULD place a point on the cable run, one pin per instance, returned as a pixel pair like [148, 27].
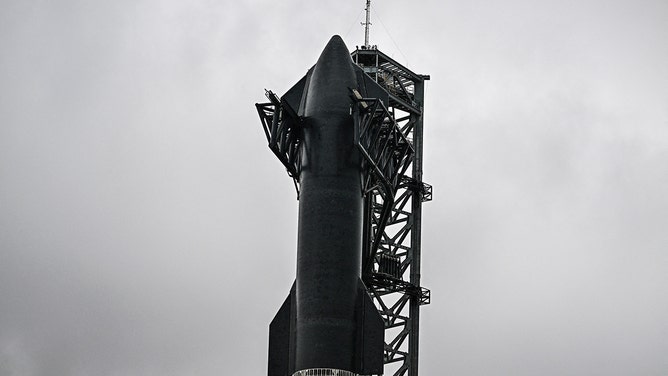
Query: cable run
[345, 37]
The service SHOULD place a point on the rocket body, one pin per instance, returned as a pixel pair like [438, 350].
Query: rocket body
[330, 216]
[328, 320]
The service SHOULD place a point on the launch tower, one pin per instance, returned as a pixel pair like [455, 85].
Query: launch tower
[393, 212]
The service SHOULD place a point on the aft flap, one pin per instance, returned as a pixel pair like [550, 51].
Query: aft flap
[370, 335]
[282, 338]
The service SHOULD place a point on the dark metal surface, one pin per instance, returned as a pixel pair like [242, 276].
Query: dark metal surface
[329, 319]
[330, 217]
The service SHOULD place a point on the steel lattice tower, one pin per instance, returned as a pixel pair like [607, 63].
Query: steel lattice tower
[394, 214]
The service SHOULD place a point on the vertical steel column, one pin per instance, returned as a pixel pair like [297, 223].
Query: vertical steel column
[416, 242]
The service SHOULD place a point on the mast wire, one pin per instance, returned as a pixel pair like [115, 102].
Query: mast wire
[392, 39]
[353, 24]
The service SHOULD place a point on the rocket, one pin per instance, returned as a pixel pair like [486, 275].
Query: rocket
[328, 325]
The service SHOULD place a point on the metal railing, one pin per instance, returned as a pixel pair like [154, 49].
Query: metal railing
[324, 372]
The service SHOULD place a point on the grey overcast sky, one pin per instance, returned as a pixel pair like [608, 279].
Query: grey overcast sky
[146, 229]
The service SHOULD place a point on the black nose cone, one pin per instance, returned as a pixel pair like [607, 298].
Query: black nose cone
[331, 81]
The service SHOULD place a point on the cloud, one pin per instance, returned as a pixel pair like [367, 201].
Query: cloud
[145, 228]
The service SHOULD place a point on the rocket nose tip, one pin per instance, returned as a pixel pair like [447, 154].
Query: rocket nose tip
[336, 38]
[335, 50]
[336, 43]
[331, 79]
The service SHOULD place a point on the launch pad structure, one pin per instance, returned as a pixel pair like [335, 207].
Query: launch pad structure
[388, 132]
[394, 215]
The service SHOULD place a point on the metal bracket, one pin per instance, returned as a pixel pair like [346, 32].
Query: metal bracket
[283, 131]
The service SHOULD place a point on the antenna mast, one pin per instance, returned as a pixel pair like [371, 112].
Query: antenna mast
[367, 23]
